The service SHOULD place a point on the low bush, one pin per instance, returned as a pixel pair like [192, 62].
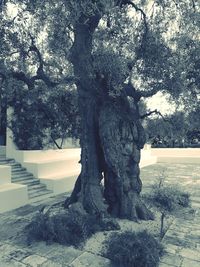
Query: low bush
[129, 249]
[169, 198]
[66, 227]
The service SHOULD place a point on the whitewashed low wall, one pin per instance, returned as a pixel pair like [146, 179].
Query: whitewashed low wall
[61, 184]
[52, 167]
[12, 196]
[49, 163]
[58, 168]
[2, 150]
[177, 155]
[55, 168]
[5, 174]
[44, 155]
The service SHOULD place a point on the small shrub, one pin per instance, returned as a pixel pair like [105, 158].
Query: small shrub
[66, 227]
[62, 228]
[131, 249]
[169, 198]
[38, 229]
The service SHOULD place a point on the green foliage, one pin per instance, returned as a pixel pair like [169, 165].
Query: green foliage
[193, 134]
[112, 67]
[62, 228]
[174, 129]
[40, 117]
[129, 249]
[156, 48]
[170, 198]
[67, 227]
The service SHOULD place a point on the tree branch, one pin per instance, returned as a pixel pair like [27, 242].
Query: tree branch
[150, 93]
[42, 109]
[153, 112]
[130, 91]
[12, 53]
[194, 5]
[3, 77]
[41, 75]
[141, 11]
[21, 76]
[40, 71]
[137, 9]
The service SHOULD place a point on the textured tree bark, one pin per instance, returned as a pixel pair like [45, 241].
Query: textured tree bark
[122, 137]
[91, 195]
[110, 143]
[88, 189]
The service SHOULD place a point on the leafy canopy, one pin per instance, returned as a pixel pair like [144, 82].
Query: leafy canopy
[152, 45]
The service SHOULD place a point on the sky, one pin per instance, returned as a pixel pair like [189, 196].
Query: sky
[161, 103]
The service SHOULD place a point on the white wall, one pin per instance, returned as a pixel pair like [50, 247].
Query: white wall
[5, 174]
[2, 150]
[12, 196]
[177, 155]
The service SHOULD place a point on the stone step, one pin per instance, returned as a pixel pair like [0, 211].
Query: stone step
[36, 187]
[38, 192]
[28, 182]
[17, 170]
[13, 164]
[4, 162]
[4, 158]
[21, 174]
[23, 179]
[7, 160]
[41, 193]
[14, 167]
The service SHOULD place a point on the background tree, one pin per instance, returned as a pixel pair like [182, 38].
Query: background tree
[43, 119]
[3, 108]
[116, 52]
[193, 134]
[168, 131]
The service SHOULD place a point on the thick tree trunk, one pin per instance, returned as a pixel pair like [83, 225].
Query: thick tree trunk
[88, 189]
[110, 142]
[122, 137]
[91, 174]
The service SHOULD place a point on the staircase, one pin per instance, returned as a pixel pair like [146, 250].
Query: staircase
[19, 175]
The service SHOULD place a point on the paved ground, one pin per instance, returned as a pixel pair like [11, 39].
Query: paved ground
[182, 240]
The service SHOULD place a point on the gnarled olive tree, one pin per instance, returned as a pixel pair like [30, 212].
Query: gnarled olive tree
[120, 51]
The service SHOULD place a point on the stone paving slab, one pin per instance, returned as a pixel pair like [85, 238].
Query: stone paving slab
[190, 263]
[50, 263]
[187, 246]
[64, 255]
[34, 260]
[90, 260]
[42, 249]
[182, 240]
[11, 263]
[172, 259]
